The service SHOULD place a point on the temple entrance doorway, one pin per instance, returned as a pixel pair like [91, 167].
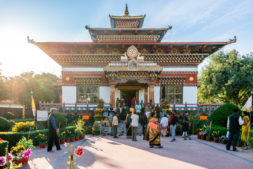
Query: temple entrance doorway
[128, 95]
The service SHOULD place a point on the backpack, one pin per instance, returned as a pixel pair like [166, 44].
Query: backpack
[171, 118]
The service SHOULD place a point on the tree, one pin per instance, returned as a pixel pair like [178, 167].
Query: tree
[228, 78]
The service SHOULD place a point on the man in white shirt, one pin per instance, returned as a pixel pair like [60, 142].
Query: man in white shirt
[115, 123]
[164, 125]
[134, 124]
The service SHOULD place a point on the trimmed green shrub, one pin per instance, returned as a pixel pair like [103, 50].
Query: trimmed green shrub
[24, 126]
[61, 120]
[9, 115]
[3, 146]
[5, 124]
[222, 130]
[220, 115]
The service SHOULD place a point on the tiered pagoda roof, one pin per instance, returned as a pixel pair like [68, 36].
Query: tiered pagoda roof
[109, 44]
[127, 21]
[127, 28]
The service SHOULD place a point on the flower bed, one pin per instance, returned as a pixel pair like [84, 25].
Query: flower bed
[14, 137]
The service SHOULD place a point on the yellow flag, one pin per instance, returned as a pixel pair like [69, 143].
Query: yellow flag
[33, 107]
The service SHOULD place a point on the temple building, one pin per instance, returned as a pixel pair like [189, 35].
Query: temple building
[126, 61]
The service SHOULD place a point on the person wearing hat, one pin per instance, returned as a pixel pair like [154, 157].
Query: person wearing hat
[53, 132]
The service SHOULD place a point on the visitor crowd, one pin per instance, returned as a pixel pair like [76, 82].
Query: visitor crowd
[153, 126]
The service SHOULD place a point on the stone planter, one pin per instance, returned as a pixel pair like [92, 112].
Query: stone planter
[77, 138]
[42, 145]
[62, 141]
[81, 137]
[199, 136]
[203, 137]
[72, 139]
[67, 140]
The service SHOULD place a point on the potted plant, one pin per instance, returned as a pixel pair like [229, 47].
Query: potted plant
[68, 135]
[17, 152]
[42, 140]
[62, 137]
[208, 138]
[3, 161]
[203, 135]
[216, 135]
[72, 136]
[96, 128]
[28, 144]
[26, 155]
[223, 140]
[79, 129]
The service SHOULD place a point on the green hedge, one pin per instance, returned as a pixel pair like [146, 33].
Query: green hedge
[220, 115]
[14, 137]
[3, 146]
[5, 124]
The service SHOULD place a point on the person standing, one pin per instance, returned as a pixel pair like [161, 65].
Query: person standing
[233, 124]
[53, 132]
[128, 125]
[152, 133]
[185, 125]
[173, 125]
[143, 122]
[134, 124]
[115, 122]
[138, 108]
[245, 129]
[164, 125]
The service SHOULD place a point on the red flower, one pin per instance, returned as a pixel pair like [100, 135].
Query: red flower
[79, 151]
[1, 139]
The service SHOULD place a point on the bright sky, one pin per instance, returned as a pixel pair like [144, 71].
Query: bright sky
[64, 20]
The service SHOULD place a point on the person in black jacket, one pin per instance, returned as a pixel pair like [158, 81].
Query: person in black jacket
[143, 121]
[234, 122]
[173, 124]
[53, 132]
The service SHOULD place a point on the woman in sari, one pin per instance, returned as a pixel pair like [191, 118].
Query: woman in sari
[245, 129]
[152, 132]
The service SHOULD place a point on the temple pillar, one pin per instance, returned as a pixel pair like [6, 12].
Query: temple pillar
[112, 93]
[151, 91]
[146, 96]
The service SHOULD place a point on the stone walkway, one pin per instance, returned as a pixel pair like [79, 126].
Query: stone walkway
[108, 153]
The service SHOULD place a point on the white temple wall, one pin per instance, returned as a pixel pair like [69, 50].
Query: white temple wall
[117, 94]
[104, 93]
[190, 94]
[69, 94]
[157, 94]
[141, 95]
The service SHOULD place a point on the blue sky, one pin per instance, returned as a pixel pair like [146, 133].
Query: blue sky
[65, 20]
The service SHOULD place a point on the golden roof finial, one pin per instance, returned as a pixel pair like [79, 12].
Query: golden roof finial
[126, 11]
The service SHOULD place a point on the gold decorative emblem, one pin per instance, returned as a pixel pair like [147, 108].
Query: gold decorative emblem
[132, 52]
[191, 78]
[67, 78]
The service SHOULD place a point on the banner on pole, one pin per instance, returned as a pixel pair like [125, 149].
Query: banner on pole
[33, 106]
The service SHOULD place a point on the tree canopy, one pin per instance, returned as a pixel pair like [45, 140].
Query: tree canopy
[18, 88]
[228, 78]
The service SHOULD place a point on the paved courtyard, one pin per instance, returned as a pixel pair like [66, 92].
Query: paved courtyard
[108, 153]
